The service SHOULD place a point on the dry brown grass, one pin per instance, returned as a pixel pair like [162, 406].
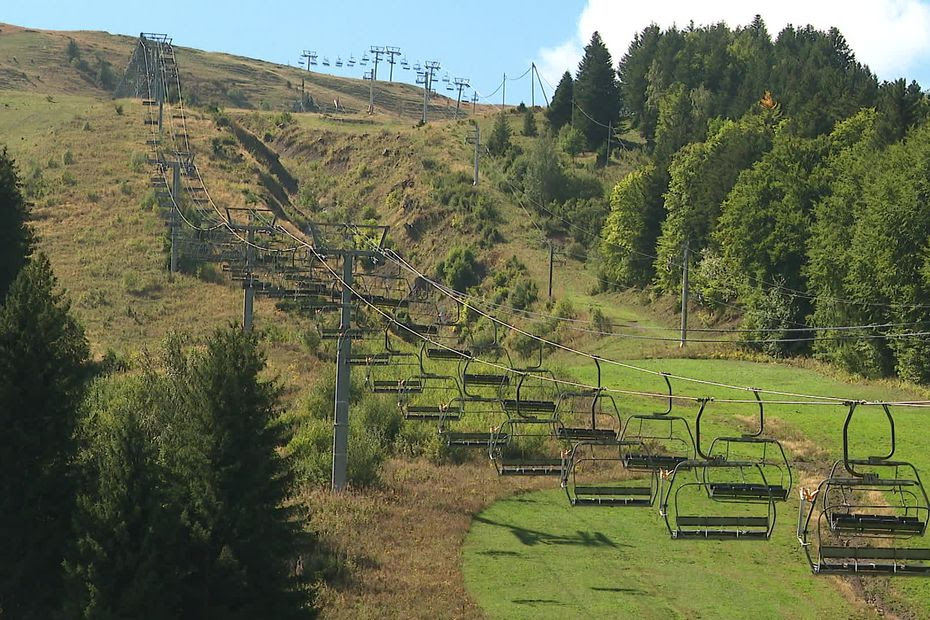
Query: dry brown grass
[402, 542]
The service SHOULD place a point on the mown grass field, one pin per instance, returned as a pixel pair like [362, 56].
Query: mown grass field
[534, 555]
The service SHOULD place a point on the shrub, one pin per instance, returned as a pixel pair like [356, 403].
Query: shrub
[119, 109]
[460, 270]
[67, 158]
[138, 162]
[524, 293]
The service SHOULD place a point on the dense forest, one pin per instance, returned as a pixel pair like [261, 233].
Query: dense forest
[795, 179]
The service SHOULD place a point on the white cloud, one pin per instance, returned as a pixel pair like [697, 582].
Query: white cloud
[891, 36]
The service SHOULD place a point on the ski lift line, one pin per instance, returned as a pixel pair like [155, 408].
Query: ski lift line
[442, 288]
[588, 116]
[813, 399]
[164, 174]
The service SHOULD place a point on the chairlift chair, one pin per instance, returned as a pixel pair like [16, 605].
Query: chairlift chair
[868, 510]
[488, 378]
[514, 445]
[602, 407]
[351, 61]
[520, 406]
[648, 446]
[325, 61]
[691, 513]
[591, 462]
[752, 447]
[338, 61]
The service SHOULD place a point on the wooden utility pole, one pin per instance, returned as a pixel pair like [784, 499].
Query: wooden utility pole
[684, 298]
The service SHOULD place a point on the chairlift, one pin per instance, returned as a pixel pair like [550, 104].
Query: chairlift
[767, 452]
[690, 512]
[450, 87]
[597, 430]
[526, 407]
[365, 59]
[325, 61]
[313, 61]
[657, 441]
[594, 475]
[493, 379]
[404, 63]
[445, 77]
[351, 61]
[417, 67]
[867, 511]
[338, 61]
[523, 446]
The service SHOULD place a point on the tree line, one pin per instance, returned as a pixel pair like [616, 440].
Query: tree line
[797, 180]
[157, 493]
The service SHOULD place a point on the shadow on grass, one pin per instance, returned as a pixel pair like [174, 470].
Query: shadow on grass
[537, 601]
[496, 553]
[535, 537]
[635, 591]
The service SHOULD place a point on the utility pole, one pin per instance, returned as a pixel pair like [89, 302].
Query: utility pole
[391, 53]
[684, 298]
[474, 137]
[474, 102]
[176, 203]
[609, 132]
[504, 91]
[461, 84]
[551, 253]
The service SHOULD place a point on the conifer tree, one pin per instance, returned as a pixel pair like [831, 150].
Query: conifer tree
[529, 124]
[559, 113]
[596, 93]
[43, 356]
[499, 141]
[16, 240]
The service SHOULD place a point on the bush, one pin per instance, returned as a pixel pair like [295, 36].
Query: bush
[138, 162]
[524, 294]
[460, 270]
[119, 109]
[67, 158]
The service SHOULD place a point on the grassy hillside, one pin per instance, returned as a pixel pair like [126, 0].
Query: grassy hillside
[398, 546]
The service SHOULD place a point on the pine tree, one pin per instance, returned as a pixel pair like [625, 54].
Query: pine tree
[529, 124]
[43, 356]
[16, 240]
[559, 113]
[499, 141]
[223, 460]
[597, 93]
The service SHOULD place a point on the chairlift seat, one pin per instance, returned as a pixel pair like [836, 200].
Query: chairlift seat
[486, 379]
[447, 354]
[432, 412]
[407, 386]
[585, 434]
[652, 462]
[470, 440]
[857, 560]
[717, 527]
[511, 405]
[739, 490]
[530, 467]
[872, 523]
[612, 496]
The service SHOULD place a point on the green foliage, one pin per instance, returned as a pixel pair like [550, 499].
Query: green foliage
[460, 269]
[16, 238]
[43, 362]
[596, 92]
[68, 157]
[701, 176]
[571, 140]
[632, 227]
[559, 112]
[195, 487]
[529, 124]
[499, 141]
[544, 179]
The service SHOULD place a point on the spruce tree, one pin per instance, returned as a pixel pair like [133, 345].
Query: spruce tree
[559, 113]
[529, 124]
[43, 357]
[499, 141]
[222, 457]
[16, 240]
[597, 93]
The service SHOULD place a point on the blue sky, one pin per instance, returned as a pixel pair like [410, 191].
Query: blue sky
[481, 39]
